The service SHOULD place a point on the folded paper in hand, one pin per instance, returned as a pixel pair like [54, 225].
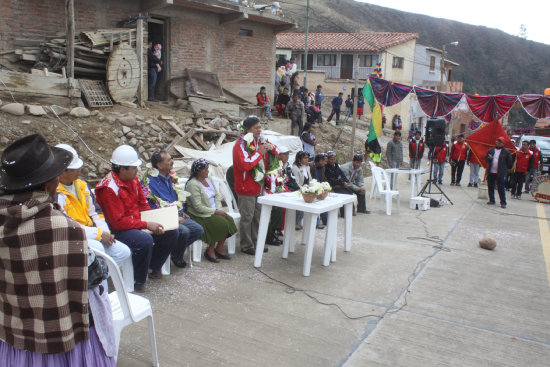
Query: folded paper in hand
[167, 217]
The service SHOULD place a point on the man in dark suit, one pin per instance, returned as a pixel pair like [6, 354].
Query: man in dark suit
[500, 162]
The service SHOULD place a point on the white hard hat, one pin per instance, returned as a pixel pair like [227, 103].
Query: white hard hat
[76, 163]
[125, 155]
[283, 149]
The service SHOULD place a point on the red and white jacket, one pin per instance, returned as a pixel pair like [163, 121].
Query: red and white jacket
[122, 202]
[441, 155]
[536, 157]
[459, 151]
[243, 163]
[412, 149]
[524, 161]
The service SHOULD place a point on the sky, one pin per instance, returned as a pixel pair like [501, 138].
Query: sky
[505, 15]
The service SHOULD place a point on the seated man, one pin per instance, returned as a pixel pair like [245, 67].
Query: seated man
[317, 169]
[354, 172]
[121, 197]
[74, 198]
[161, 185]
[336, 178]
[284, 154]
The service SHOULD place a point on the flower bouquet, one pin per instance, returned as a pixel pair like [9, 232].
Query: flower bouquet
[155, 200]
[311, 191]
[326, 188]
[260, 171]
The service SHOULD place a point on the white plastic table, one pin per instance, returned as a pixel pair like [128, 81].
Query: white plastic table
[292, 201]
[415, 178]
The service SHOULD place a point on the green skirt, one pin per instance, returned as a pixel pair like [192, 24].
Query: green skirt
[216, 227]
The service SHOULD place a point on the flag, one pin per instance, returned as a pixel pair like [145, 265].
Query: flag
[375, 129]
[485, 138]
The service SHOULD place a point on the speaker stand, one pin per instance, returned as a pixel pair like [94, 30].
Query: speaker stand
[427, 188]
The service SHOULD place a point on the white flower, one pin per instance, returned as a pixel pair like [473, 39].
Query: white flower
[248, 138]
[326, 186]
[153, 172]
[258, 176]
[183, 195]
[280, 179]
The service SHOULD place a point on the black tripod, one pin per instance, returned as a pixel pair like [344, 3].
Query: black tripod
[432, 181]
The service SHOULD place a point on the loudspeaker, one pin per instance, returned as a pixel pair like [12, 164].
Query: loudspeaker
[435, 132]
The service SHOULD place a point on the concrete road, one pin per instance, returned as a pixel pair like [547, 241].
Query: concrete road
[415, 290]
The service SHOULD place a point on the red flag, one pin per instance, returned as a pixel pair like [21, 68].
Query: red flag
[485, 138]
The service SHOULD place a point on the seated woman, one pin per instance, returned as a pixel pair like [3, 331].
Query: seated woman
[302, 173]
[204, 207]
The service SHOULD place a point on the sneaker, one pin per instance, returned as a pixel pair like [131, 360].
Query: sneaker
[475, 185]
[490, 203]
[440, 182]
[503, 206]
[470, 185]
[457, 184]
[299, 227]
[513, 196]
[320, 226]
[139, 287]
[180, 263]
[518, 197]
[452, 183]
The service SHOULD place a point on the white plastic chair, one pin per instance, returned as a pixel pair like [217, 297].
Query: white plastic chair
[373, 190]
[128, 308]
[382, 182]
[233, 210]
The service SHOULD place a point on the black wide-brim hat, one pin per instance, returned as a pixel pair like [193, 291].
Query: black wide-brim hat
[29, 162]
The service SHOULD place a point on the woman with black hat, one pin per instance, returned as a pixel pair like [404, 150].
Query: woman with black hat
[47, 289]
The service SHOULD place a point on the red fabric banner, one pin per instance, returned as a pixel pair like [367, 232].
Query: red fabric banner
[483, 139]
[490, 108]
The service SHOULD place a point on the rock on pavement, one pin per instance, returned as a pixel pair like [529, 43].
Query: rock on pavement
[16, 109]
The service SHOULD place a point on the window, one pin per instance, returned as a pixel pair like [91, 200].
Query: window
[432, 63]
[398, 62]
[326, 60]
[367, 61]
[245, 32]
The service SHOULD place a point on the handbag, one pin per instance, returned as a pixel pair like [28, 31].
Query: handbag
[98, 270]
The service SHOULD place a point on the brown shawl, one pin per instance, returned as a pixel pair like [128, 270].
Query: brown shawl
[43, 275]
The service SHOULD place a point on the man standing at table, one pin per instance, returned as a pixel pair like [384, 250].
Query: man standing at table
[500, 162]
[394, 153]
[246, 188]
[354, 172]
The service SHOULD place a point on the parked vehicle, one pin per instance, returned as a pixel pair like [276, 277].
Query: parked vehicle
[543, 143]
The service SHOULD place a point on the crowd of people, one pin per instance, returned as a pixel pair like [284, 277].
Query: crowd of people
[505, 171]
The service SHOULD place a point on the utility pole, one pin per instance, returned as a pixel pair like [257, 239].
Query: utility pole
[442, 68]
[305, 49]
[355, 100]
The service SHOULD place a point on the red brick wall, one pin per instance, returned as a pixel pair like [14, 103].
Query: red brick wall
[39, 18]
[243, 64]
[197, 40]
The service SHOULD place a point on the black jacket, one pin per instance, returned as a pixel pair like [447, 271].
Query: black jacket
[335, 176]
[504, 161]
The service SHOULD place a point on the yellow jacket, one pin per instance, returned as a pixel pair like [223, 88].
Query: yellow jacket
[82, 209]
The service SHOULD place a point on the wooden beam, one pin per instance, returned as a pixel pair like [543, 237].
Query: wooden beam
[193, 144]
[175, 127]
[139, 49]
[151, 5]
[227, 132]
[220, 140]
[180, 140]
[29, 84]
[69, 6]
[233, 18]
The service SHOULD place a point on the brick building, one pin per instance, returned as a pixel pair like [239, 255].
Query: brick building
[234, 41]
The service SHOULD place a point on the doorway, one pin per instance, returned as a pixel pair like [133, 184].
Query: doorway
[309, 65]
[157, 31]
[346, 67]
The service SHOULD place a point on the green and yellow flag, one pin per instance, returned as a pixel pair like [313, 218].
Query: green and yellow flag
[375, 129]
